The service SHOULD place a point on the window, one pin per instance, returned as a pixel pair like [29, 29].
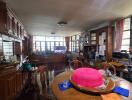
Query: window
[70, 45]
[126, 35]
[93, 38]
[47, 43]
[74, 44]
[8, 49]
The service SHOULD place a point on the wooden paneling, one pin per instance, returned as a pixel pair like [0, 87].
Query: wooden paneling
[11, 82]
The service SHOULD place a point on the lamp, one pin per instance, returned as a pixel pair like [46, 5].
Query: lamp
[52, 32]
[62, 23]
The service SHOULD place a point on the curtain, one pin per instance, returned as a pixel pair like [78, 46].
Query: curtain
[67, 41]
[118, 34]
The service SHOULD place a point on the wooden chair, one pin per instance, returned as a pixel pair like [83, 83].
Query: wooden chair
[76, 64]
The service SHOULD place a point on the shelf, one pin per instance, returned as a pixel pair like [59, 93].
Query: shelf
[93, 38]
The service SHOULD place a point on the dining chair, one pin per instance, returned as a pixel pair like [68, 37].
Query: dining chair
[75, 64]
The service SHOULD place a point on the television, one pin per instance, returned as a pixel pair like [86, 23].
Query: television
[60, 49]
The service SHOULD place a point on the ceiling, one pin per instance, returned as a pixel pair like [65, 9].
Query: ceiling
[40, 17]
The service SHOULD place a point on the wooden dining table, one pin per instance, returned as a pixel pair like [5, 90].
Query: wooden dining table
[74, 94]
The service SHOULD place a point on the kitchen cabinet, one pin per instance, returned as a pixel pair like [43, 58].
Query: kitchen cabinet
[3, 17]
[9, 24]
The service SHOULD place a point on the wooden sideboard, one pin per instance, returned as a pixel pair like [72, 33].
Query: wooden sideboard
[11, 81]
[42, 59]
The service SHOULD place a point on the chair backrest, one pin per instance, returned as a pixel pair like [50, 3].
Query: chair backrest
[76, 64]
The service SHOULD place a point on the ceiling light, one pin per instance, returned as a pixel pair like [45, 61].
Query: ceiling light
[62, 23]
[52, 32]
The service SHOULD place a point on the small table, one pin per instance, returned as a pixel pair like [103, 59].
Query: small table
[73, 94]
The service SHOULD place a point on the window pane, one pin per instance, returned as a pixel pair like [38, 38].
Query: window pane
[48, 43]
[126, 42]
[8, 49]
[48, 38]
[126, 34]
[37, 43]
[93, 42]
[42, 48]
[34, 49]
[127, 24]
[56, 43]
[59, 38]
[77, 37]
[73, 38]
[39, 38]
[61, 43]
[125, 48]
[43, 44]
[93, 34]
[37, 48]
[93, 38]
[48, 48]
[56, 38]
[52, 44]
[64, 44]
[52, 48]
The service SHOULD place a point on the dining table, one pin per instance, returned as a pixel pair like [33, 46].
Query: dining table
[75, 94]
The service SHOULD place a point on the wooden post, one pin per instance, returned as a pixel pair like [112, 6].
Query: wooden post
[109, 47]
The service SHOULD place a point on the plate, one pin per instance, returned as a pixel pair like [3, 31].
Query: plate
[97, 90]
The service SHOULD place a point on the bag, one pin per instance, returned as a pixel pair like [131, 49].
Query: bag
[26, 67]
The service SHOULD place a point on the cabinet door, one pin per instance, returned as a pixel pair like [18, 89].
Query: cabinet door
[20, 31]
[17, 29]
[17, 48]
[93, 38]
[1, 47]
[13, 25]
[9, 24]
[3, 17]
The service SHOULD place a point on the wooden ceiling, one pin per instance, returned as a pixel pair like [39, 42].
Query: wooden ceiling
[40, 17]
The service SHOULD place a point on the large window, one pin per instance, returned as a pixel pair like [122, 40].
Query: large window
[126, 35]
[47, 43]
[75, 43]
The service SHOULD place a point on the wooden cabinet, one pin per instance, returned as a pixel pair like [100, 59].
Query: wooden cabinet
[104, 37]
[93, 37]
[1, 47]
[17, 48]
[25, 46]
[9, 24]
[3, 17]
[12, 81]
[89, 51]
[97, 38]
